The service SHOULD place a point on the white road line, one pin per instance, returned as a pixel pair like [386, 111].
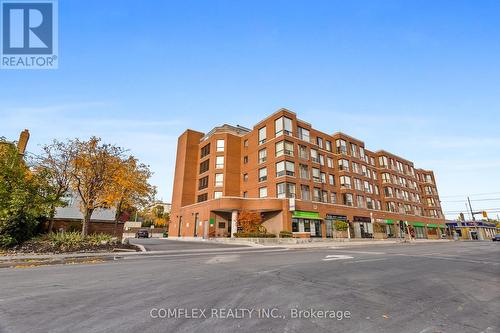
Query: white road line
[337, 257]
[451, 259]
[365, 260]
[200, 254]
[360, 252]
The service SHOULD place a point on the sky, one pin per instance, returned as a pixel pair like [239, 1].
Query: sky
[418, 78]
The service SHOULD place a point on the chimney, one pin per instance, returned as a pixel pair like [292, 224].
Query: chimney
[23, 141]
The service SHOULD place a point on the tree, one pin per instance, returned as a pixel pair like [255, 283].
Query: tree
[22, 197]
[130, 186]
[250, 221]
[95, 168]
[57, 162]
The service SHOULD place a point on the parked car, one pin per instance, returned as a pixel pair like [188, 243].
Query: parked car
[496, 238]
[142, 233]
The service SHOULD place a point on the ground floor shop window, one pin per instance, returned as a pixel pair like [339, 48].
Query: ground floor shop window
[307, 225]
[419, 232]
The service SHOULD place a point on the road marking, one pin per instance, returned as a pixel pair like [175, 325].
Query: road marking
[198, 254]
[451, 259]
[336, 257]
[365, 260]
[223, 259]
[360, 252]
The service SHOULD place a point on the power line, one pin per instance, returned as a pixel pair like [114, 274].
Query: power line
[488, 199]
[470, 195]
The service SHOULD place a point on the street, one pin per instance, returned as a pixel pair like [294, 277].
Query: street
[445, 287]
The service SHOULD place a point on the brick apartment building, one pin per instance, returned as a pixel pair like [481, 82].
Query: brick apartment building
[300, 180]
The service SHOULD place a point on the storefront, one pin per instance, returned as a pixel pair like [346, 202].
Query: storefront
[419, 229]
[306, 223]
[330, 223]
[433, 231]
[363, 227]
[391, 228]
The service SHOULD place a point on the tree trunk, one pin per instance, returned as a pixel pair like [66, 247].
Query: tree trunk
[86, 222]
[117, 215]
[51, 222]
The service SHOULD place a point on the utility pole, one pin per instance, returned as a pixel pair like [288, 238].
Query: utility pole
[474, 220]
[471, 212]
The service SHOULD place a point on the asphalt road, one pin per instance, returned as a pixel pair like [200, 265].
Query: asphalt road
[158, 244]
[447, 287]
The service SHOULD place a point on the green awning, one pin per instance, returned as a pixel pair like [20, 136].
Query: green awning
[442, 226]
[389, 221]
[432, 225]
[306, 215]
[417, 224]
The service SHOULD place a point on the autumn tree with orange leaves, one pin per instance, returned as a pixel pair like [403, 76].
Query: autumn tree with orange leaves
[250, 221]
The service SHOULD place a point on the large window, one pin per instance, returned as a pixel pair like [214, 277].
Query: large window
[354, 150]
[316, 175]
[329, 162]
[357, 184]
[333, 197]
[382, 161]
[203, 197]
[205, 150]
[263, 192]
[219, 179]
[314, 156]
[284, 148]
[388, 192]
[285, 168]
[343, 165]
[204, 166]
[304, 134]
[316, 194]
[262, 155]
[262, 135]
[303, 152]
[341, 146]
[345, 182]
[303, 171]
[331, 179]
[262, 174]
[203, 183]
[217, 194]
[305, 193]
[283, 125]
[319, 142]
[328, 145]
[347, 199]
[285, 190]
[220, 145]
[219, 162]
[386, 178]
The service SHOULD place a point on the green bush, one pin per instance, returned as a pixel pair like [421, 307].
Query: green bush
[98, 239]
[286, 234]
[341, 225]
[253, 235]
[64, 239]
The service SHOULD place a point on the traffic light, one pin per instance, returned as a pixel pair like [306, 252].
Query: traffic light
[485, 215]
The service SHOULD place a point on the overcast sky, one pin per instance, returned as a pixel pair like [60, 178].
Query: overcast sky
[420, 79]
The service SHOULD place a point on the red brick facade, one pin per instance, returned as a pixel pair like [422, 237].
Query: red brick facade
[330, 177]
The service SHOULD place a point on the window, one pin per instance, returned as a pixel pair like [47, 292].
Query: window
[203, 183]
[245, 177]
[245, 194]
[331, 179]
[333, 197]
[217, 194]
[347, 199]
[360, 201]
[262, 174]
[316, 194]
[283, 125]
[386, 178]
[284, 148]
[245, 143]
[354, 150]
[219, 179]
[355, 167]
[390, 206]
[345, 182]
[204, 166]
[303, 171]
[357, 184]
[285, 168]
[319, 142]
[321, 160]
[328, 145]
[323, 177]
[262, 155]
[341, 146]
[285, 190]
[324, 196]
[303, 134]
[368, 187]
[219, 162]
[329, 162]
[316, 175]
[305, 194]
[364, 171]
[263, 192]
[205, 151]
[369, 203]
[262, 135]
[343, 165]
[220, 145]
[382, 161]
[362, 153]
[203, 197]
[303, 152]
[388, 192]
[314, 156]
